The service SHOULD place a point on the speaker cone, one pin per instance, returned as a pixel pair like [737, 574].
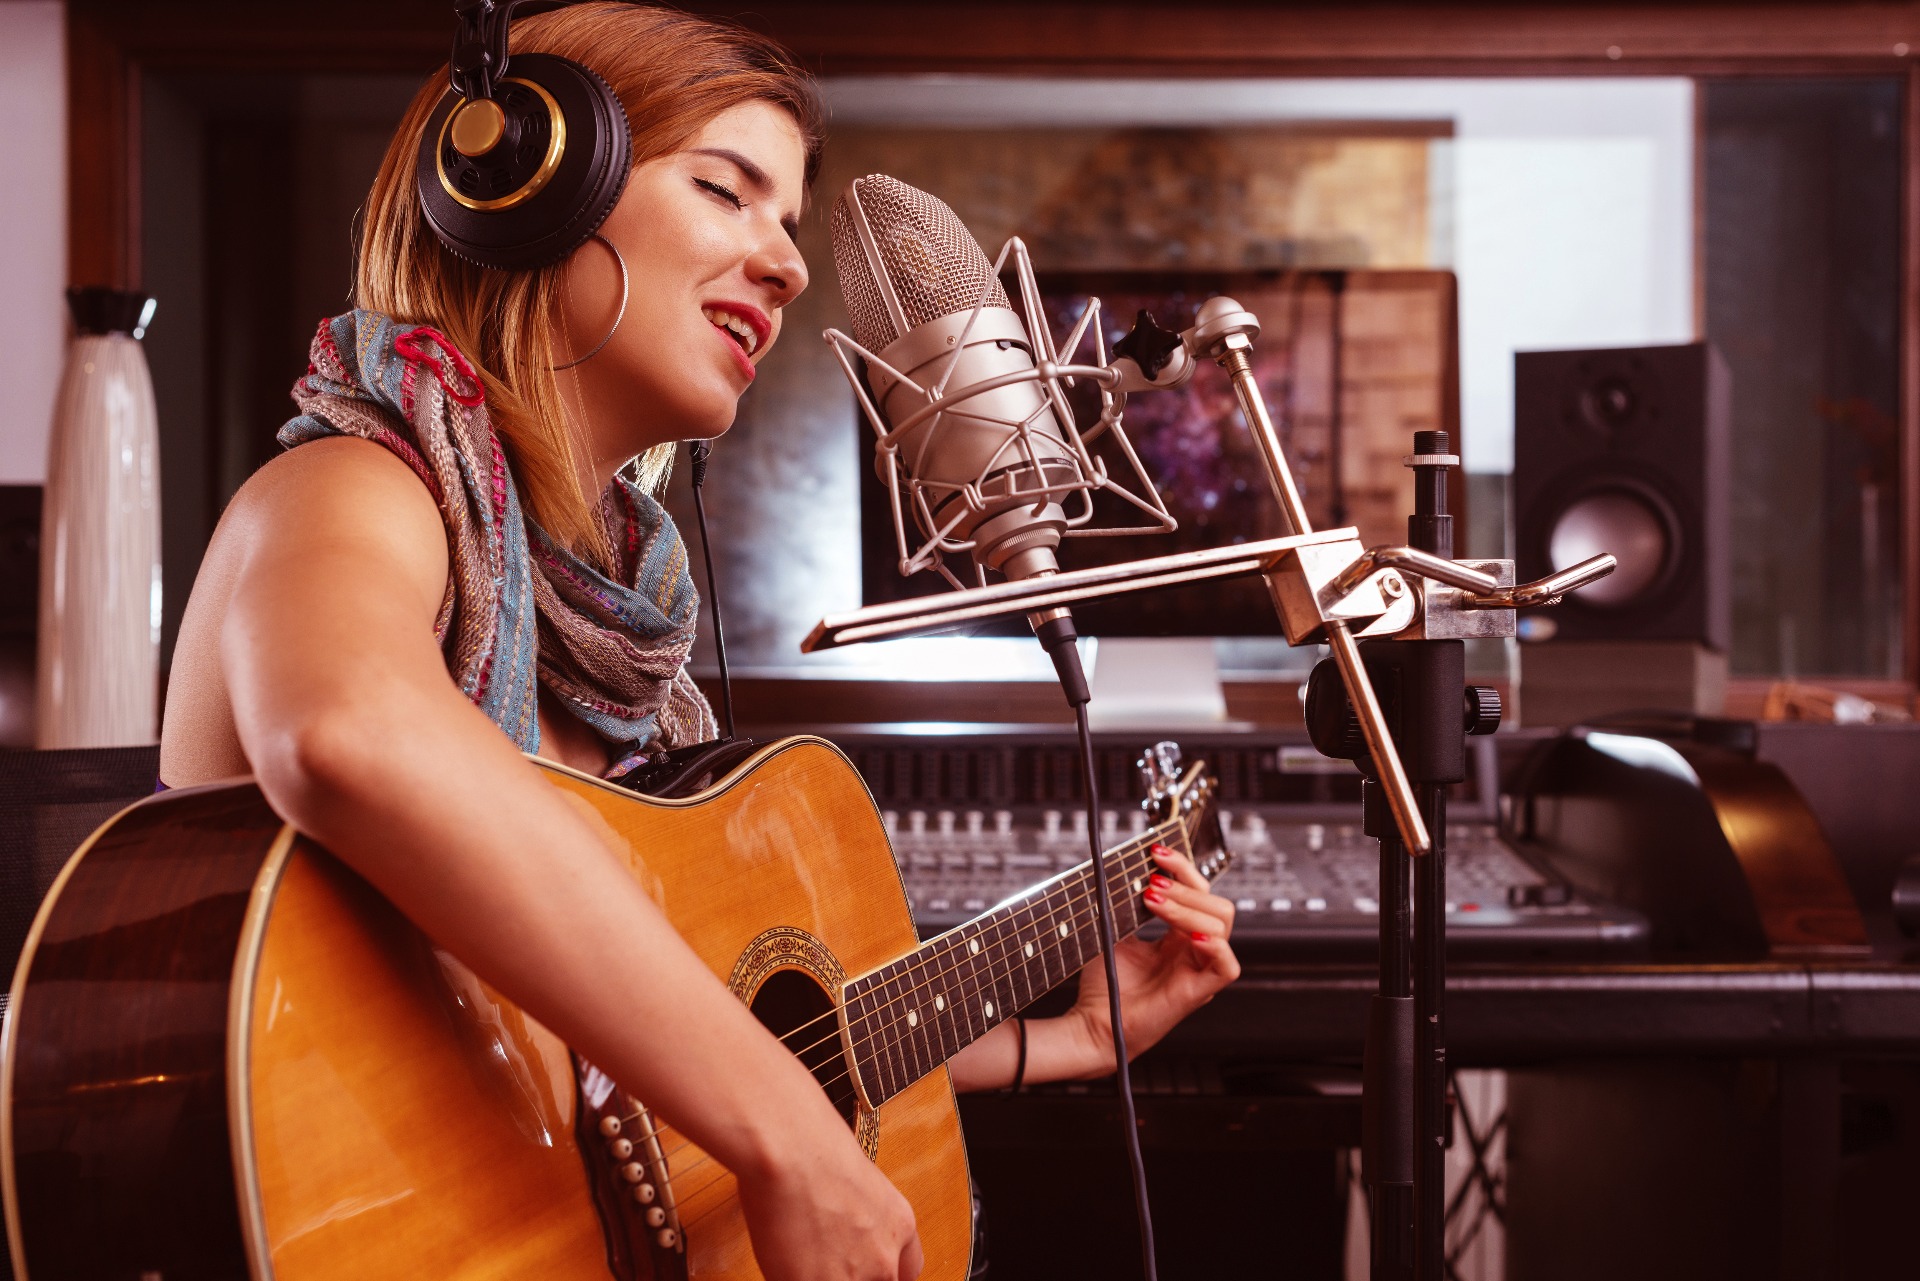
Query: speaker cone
[1636, 528]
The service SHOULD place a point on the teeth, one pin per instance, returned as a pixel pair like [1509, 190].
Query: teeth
[734, 325]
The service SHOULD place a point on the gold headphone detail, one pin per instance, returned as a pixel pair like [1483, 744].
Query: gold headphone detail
[477, 127]
[483, 122]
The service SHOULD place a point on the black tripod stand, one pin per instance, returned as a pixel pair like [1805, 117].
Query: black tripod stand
[1430, 710]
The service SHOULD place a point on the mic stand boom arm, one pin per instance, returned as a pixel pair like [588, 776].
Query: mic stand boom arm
[1225, 331]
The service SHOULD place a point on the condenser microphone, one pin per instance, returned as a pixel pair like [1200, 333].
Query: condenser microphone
[991, 464]
[972, 409]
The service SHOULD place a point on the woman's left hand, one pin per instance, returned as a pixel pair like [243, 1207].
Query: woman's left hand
[1162, 982]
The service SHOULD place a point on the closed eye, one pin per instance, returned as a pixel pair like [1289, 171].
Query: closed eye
[726, 194]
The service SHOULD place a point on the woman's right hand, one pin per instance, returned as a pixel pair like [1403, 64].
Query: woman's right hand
[823, 1212]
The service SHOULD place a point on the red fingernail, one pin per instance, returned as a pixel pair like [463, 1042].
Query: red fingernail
[1159, 880]
[1155, 896]
[1198, 938]
[1161, 851]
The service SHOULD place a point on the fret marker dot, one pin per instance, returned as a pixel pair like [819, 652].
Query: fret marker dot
[939, 1003]
[1138, 884]
[913, 1018]
[987, 1009]
[973, 946]
[1029, 949]
[1063, 931]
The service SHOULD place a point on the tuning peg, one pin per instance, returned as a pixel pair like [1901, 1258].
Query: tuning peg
[1166, 760]
[1149, 775]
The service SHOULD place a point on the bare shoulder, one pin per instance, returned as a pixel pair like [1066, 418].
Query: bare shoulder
[332, 524]
[340, 489]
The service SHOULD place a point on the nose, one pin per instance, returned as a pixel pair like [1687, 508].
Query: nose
[776, 264]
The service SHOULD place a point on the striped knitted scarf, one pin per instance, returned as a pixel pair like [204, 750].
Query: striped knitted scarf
[519, 608]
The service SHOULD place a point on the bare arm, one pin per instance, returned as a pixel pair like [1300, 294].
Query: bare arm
[345, 711]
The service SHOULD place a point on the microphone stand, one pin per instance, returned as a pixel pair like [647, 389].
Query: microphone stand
[1431, 710]
[1412, 606]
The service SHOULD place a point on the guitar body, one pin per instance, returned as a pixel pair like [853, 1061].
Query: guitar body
[228, 1056]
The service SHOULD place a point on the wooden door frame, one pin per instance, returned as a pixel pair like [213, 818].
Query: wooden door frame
[112, 43]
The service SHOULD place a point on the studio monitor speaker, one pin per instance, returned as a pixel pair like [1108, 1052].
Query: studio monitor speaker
[1626, 451]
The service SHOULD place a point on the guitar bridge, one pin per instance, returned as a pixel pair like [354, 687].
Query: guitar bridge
[632, 1183]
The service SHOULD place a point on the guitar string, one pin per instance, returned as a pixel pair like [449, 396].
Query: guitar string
[1054, 945]
[1051, 918]
[1079, 905]
[1174, 830]
[1082, 873]
[688, 1195]
[952, 948]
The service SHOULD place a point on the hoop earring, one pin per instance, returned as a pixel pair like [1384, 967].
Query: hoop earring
[581, 360]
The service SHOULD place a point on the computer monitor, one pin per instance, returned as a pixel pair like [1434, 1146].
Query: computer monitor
[1386, 338]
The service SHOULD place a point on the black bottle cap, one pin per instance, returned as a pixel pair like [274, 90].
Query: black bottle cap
[98, 310]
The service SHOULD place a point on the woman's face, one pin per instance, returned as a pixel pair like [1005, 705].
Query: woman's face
[707, 234]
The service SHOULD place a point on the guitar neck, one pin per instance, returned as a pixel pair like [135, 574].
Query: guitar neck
[908, 1017]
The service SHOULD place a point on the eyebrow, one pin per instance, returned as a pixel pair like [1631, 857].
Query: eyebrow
[755, 176]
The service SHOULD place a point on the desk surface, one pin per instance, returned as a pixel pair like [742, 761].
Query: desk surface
[1509, 1015]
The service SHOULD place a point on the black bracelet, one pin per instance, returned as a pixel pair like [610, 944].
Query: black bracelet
[1020, 1063]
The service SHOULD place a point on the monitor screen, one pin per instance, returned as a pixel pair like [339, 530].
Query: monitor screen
[1389, 334]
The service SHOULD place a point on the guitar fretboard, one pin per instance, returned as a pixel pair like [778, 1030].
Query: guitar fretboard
[908, 1017]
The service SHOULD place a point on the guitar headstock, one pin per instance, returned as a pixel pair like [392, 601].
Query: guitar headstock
[1185, 796]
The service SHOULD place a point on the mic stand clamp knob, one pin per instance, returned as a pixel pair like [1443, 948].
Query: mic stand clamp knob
[1149, 346]
[1483, 709]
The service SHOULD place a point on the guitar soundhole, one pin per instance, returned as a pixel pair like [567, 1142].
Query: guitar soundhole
[798, 1011]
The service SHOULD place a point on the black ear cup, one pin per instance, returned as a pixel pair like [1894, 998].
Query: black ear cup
[521, 180]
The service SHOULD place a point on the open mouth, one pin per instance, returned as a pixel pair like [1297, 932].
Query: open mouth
[735, 327]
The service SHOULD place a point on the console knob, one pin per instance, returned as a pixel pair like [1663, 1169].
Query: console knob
[945, 819]
[916, 821]
[976, 822]
[1483, 709]
[1003, 822]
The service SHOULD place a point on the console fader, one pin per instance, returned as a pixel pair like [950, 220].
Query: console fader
[977, 817]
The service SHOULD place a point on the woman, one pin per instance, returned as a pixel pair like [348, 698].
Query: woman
[312, 654]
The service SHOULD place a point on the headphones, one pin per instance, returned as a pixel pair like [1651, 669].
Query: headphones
[518, 164]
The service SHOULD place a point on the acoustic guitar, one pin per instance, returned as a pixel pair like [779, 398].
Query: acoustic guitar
[227, 1056]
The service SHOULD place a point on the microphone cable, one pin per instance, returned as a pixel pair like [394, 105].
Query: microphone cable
[1058, 637]
[698, 452]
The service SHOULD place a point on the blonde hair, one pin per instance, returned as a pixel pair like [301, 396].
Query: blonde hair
[673, 72]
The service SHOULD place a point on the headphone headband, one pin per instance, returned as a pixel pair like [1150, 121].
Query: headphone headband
[517, 171]
[479, 60]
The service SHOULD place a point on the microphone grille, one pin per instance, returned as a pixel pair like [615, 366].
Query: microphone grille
[928, 260]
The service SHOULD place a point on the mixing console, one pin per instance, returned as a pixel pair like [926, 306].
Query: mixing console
[1305, 879]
